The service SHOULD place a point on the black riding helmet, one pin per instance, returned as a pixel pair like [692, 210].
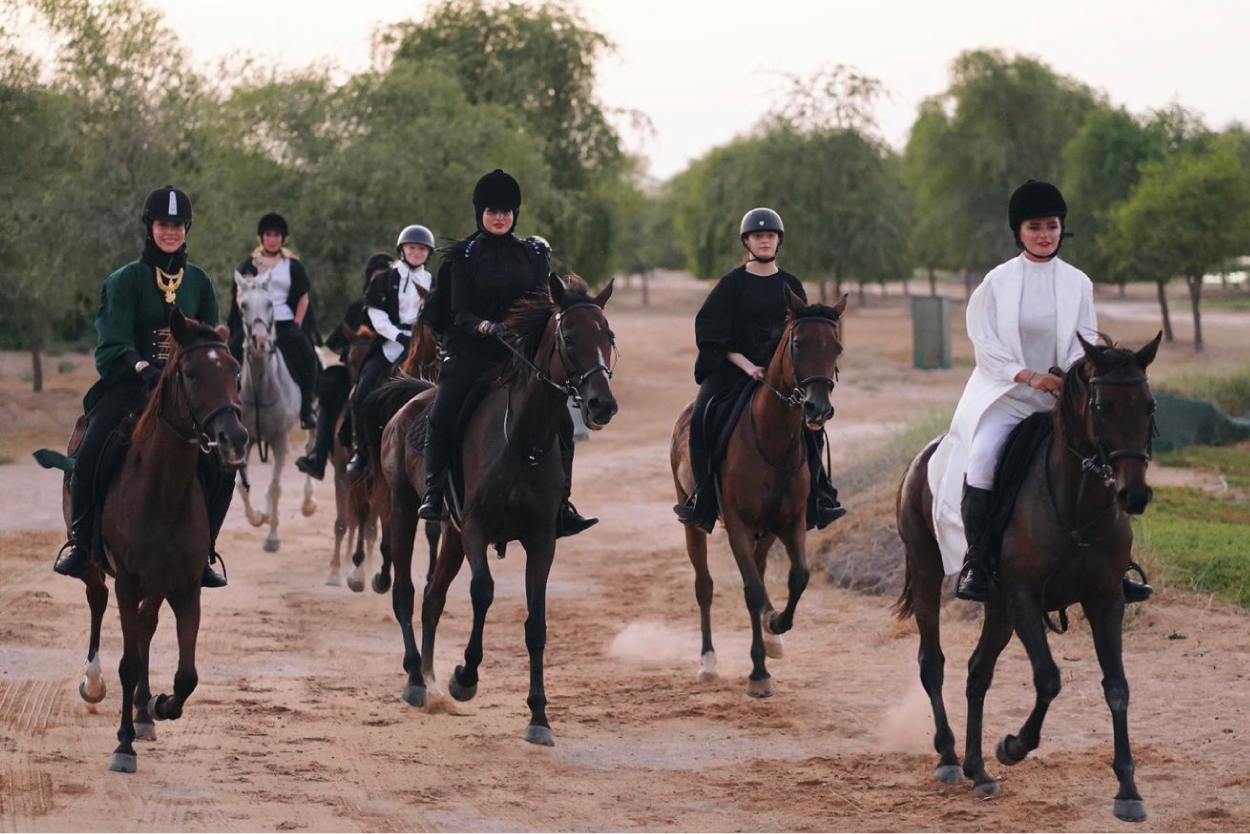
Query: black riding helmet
[762, 220]
[497, 190]
[273, 222]
[1032, 200]
[167, 203]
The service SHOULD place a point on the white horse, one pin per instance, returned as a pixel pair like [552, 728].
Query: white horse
[270, 399]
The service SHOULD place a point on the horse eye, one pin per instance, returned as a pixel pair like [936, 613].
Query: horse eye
[1152, 406]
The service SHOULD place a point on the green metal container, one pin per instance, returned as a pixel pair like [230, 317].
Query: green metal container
[930, 331]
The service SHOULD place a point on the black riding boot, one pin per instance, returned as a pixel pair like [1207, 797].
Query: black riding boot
[329, 405]
[359, 463]
[974, 579]
[75, 556]
[823, 507]
[570, 522]
[437, 457]
[218, 492]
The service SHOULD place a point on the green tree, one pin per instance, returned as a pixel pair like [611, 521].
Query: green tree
[1002, 121]
[1189, 215]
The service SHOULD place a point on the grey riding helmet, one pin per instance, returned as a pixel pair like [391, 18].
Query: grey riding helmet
[414, 234]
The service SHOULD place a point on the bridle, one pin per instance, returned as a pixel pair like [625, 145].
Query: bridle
[795, 398]
[571, 387]
[200, 437]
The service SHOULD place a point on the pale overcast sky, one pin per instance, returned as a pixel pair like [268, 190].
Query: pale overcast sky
[704, 71]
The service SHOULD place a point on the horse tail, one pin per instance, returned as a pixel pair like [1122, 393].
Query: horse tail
[904, 607]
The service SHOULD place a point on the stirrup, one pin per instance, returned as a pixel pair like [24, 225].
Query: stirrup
[686, 515]
[73, 564]
[1136, 591]
[311, 465]
[570, 522]
[973, 582]
[211, 578]
[358, 465]
[432, 507]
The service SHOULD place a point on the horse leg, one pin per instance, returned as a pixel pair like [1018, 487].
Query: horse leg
[149, 617]
[187, 612]
[774, 646]
[254, 518]
[403, 526]
[433, 531]
[1028, 618]
[760, 684]
[539, 555]
[1106, 621]
[995, 635]
[124, 759]
[450, 558]
[924, 572]
[463, 683]
[341, 527]
[92, 687]
[382, 579]
[273, 541]
[309, 504]
[696, 548]
[364, 530]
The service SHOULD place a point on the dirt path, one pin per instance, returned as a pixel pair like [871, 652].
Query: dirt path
[298, 724]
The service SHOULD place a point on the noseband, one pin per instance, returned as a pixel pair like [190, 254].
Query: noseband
[795, 398]
[200, 437]
[571, 387]
[1100, 463]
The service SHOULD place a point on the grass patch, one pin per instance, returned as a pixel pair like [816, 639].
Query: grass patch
[1201, 541]
[1231, 462]
[1229, 390]
[888, 463]
[1230, 303]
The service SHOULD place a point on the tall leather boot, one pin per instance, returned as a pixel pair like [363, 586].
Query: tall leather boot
[437, 458]
[329, 405]
[974, 579]
[823, 507]
[359, 463]
[75, 556]
[701, 508]
[569, 522]
[218, 485]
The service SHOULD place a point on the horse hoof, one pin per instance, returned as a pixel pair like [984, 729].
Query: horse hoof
[309, 508]
[381, 584]
[949, 774]
[91, 691]
[985, 790]
[123, 763]
[458, 690]
[708, 671]
[154, 707]
[540, 735]
[357, 585]
[145, 731]
[258, 521]
[1005, 753]
[1130, 810]
[707, 676]
[761, 688]
[773, 647]
[415, 696]
[272, 545]
[334, 579]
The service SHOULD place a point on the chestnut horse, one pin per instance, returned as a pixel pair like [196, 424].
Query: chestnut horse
[1068, 542]
[154, 526]
[513, 483]
[352, 519]
[764, 481]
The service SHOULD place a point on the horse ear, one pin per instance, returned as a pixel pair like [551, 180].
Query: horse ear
[177, 324]
[264, 283]
[422, 292]
[601, 300]
[1092, 352]
[793, 302]
[1147, 354]
[240, 281]
[840, 307]
[556, 286]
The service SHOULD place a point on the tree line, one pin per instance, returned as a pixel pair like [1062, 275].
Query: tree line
[1153, 197]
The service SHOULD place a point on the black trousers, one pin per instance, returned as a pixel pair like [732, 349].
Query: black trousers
[112, 407]
[375, 370]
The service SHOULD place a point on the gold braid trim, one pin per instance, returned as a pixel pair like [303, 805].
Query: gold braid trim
[169, 284]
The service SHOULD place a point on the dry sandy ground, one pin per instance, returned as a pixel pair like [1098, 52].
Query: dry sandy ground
[298, 723]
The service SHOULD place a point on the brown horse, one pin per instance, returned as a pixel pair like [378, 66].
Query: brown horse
[352, 519]
[765, 480]
[155, 524]
[1068, 542]
[422, 359]
[513, 483]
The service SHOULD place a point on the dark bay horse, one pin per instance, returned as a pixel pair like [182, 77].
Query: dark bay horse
[765, 480]
[155, 524]
[1068, 542]
[352, 519]
[513, 483]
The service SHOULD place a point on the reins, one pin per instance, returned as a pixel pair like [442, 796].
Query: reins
[793, 400]
[200, 437]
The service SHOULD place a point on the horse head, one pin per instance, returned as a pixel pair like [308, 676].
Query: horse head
[359, 342]
[256, 308]
[205, 390]
[813, 344]
[1110, 392]
[585, 347]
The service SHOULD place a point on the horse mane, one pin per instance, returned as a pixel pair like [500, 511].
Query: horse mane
[528, 319]
[149, 419]
[1074, 396]
[817, 311]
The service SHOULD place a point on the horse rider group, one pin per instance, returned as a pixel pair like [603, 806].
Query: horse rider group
[1022, 322]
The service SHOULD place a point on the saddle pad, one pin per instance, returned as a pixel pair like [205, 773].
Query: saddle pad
[1023, 444]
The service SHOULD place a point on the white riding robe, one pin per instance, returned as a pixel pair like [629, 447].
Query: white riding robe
[994, 327]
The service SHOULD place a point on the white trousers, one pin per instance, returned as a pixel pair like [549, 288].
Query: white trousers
[991, 435]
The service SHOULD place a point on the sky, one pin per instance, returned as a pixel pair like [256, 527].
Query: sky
[704, 72]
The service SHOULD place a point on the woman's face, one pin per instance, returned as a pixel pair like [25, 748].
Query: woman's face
[169, 235]
[763, 245]
[416, 254]
[271, 240]
[497, 221]
[1040, 236]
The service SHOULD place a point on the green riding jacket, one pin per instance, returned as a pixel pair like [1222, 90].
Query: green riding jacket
[131, 308]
